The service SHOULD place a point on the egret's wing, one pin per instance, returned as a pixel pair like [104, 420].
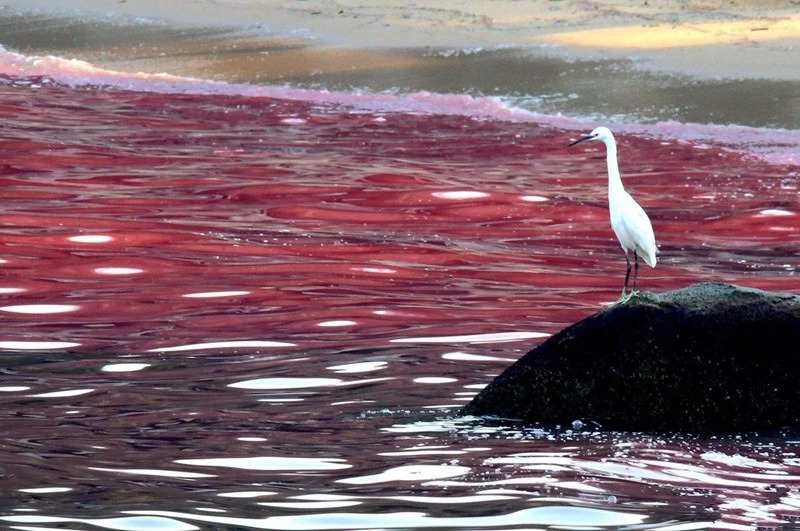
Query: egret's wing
[639, 229]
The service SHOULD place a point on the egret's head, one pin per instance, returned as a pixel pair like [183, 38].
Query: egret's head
[599, 133]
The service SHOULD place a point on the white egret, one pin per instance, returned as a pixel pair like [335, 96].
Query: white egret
[628, 219]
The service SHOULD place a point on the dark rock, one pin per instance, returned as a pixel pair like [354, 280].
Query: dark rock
[709, 358]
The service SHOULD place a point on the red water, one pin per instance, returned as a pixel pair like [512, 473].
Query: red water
[294, 277]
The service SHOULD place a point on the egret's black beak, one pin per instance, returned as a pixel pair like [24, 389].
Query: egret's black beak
[582, 140]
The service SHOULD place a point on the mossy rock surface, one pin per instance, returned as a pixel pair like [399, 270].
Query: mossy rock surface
[709, 358]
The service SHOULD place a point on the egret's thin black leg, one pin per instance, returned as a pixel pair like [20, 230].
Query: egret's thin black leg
[627, 275]
[635, 269]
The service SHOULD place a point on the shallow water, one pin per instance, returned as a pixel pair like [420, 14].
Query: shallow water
[542, 79]
[230, 311]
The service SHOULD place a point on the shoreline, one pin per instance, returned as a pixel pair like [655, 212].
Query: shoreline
[704, 39]
[569, 80]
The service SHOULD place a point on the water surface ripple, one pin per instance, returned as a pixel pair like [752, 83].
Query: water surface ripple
[231, 312]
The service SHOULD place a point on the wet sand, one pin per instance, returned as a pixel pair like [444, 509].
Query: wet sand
[739, 38]
[617, 59]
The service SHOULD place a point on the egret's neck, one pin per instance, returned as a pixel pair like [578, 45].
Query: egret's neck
[614, 180]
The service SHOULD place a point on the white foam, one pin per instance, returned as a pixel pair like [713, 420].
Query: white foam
[74, 72]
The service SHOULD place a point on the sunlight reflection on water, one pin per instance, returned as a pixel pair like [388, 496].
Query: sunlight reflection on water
[547, 516]
[496, 337]
[124, 367]
[133, 523]
[409, 473]
[40, 308]
[154, 472]
[91, 238]
[37, 345]
[254, 344]
[269, 463]
[217, 260]
[63, 394]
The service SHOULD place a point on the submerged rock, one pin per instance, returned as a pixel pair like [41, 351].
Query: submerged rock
[709, 358]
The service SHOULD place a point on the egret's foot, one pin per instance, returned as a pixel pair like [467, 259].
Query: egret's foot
[625, 297]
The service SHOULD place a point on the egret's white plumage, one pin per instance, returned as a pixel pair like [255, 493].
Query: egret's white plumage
[628, 219]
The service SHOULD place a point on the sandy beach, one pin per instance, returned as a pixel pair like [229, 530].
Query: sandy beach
[702, 38]
[610, 60]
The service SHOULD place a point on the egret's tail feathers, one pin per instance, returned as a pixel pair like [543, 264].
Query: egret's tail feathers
[648, 256]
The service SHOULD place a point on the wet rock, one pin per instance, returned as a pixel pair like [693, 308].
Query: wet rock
[709, 358]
